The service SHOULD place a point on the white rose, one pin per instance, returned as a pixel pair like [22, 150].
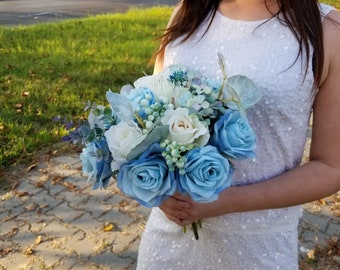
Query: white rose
[184, 128]
[121, 139]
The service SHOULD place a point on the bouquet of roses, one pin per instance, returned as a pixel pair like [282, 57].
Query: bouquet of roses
[172, 131]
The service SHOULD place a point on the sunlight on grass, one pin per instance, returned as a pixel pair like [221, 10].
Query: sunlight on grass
[52, 69]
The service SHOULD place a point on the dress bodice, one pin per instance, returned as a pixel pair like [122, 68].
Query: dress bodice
[266, 52]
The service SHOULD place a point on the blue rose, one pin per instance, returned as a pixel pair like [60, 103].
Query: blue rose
[233, 136]
[207, 173]
[96, 160]
[147, 179]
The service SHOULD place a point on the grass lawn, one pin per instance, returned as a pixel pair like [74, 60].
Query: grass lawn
[335, 3]
[53, 69]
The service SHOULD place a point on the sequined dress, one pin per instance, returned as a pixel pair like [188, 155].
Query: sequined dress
[265, 52]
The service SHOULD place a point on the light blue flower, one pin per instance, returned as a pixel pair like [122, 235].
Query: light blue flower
[207, 173]
[96, 160]
[233, 136]
[141, 98]
[89, 161]
[147, 179]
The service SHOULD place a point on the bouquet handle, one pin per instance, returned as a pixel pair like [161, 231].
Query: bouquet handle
[195, 225]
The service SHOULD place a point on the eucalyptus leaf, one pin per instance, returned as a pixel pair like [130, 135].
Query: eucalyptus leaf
[156, 135]
[107, 111]
[120, 105]
[240, 91]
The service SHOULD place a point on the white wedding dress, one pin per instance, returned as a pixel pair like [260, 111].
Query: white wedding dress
[266, 53]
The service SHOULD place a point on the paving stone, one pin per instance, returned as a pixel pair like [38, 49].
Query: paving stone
[21, 210]
[100, 209]
[26, 186]
[89, 203]
[91, 266]
[115, 200]
[9, 228]
[51, 254]
[65, 213]
[62, 169]
[10, 203]
[72, 198]
[81, 244]
[72, 160]
[87, 223]
[78, 180]
[54, 189]
[334, 228]
[132, 251]
[69, 262]
[317, 238]
[38, 222]
[319, 221]
[110, 260]
[143, 211]
[13, 261]
[36, 177]
[24, 237]
[44, 201]
[123, 241]
[56, 229]
[121, 219]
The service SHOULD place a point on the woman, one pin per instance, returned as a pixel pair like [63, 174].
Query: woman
[290, 49]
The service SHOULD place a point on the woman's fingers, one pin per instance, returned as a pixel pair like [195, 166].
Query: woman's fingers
[174, 209]
[180, 197]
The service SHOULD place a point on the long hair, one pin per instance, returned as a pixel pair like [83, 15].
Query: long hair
[301, 16]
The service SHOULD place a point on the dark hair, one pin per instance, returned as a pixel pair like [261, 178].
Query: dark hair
[301, 16]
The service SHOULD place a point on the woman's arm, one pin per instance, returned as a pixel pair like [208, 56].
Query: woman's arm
[316, 179]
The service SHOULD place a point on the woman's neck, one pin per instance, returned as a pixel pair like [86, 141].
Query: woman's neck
[248, 10]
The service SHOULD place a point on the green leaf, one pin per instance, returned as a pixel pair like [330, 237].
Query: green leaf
[107, 111]
[156, 135]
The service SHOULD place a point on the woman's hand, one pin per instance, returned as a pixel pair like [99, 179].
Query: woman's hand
[182, 210]
[177, 209]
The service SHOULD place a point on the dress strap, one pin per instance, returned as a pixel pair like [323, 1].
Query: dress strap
[325, 10]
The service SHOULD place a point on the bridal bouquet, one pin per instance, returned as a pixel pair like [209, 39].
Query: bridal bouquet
[172, 131]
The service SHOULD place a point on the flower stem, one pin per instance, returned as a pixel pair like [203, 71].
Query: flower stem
[194, 228]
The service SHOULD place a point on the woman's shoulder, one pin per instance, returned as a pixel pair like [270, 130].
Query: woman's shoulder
[331, 31]
[325, 9]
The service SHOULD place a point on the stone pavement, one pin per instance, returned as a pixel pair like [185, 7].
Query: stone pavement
[52, 219]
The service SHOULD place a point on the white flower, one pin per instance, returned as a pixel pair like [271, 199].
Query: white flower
[158, 84]
[185, 129]
[95, 120]
[163, 89]
[121, 139]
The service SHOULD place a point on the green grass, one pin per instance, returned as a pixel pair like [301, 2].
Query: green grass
[52, 69]
[335, 3]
